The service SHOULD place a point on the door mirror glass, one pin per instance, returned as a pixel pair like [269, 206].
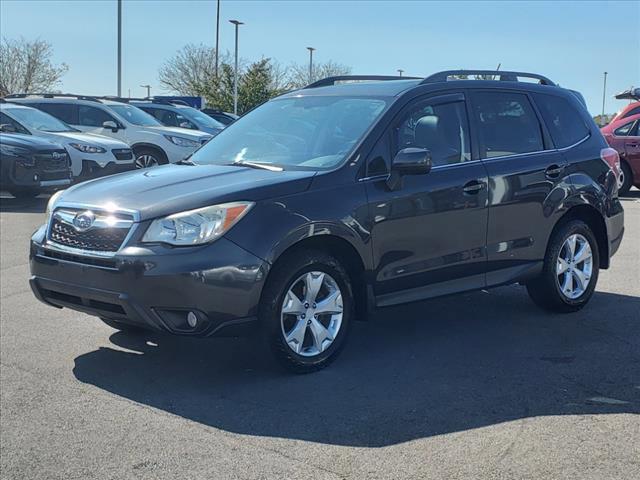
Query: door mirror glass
[7, 128]
[111, 125]
[412, 161]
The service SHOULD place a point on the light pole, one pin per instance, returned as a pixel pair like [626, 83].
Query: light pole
[235, 72]
[311, 50]
[400, 71]
[217, 36]
[148, 87]
[604, 93]
[119, 48]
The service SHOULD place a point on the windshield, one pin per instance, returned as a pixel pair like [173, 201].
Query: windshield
[197, 116]
[135, 116]
[300, 133]
[39, 120]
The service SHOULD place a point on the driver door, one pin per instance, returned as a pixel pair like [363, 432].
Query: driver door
[428, 235]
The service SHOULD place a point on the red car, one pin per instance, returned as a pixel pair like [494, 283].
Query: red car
[623, 134]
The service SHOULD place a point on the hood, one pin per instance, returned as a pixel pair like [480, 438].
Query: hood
[181, 132]
[168, 189]
[28, 141]
[89, 138]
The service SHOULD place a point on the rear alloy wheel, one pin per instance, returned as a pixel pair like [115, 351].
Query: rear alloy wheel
[570, 271]
[625, 180]
[306, 309]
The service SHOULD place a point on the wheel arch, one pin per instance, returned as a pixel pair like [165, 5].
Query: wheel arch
[593, 218]
[345, 252]
[151, 146]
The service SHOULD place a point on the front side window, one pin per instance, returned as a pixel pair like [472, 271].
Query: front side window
[507, 124]
[565, 124]
[309, 133]
[135, 115]
[195, 117]
[441, 129]
[624, 130]
[38, 120]
[92, 116]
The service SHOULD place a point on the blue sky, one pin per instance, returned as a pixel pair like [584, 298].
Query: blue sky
[571, 42]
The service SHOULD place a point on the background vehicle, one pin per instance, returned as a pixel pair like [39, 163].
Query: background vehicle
[624, 135]
[333, 200]
[633, 108]
[175, 115]
[31, 165]
[91, 155]
[152, 143]
[224, 118]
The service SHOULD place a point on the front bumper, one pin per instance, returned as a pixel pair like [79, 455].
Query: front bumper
[16, 176]
[155, 287]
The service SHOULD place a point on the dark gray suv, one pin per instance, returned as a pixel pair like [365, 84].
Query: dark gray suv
[337, 199]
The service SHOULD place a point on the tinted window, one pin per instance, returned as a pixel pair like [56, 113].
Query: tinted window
[135, 116]
[633, 111]
[441, 129]
[68, 113]
[92, 116]
[38, 120]
[565, 124]
[507, 124]
[624, 130]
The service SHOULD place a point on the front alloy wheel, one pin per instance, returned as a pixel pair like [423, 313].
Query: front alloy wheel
[312, 313]
[146, 160]
[306, 310]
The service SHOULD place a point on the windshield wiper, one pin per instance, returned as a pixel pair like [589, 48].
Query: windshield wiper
[263, 166]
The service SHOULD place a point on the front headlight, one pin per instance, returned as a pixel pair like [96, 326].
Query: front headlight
[182, 142]
[87, 148]
[196, 227]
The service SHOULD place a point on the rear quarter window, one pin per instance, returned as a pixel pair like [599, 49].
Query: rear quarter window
[66, 112]
[565, 124]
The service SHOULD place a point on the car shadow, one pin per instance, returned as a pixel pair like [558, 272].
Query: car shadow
[20, 205]
[420, 370]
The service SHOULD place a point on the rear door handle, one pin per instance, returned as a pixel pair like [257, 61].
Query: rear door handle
[554, 171]
[473, 187]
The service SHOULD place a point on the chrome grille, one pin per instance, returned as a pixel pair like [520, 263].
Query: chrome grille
[106, 233]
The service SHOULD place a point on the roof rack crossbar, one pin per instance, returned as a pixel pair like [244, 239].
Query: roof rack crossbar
[326, 82]
[501, 74]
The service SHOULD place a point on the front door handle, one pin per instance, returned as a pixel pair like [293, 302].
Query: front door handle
[473, 187]
[632, 144]
[554, 171]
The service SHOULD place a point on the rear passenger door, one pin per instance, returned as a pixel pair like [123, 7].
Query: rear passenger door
[525, 181]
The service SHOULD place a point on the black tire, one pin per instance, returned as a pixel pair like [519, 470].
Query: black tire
[123, 327]
[159, 158]
[283, 277]
[627, 179]
[25, 194]
[545, 290]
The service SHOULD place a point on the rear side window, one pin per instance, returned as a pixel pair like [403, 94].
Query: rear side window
[507, 124]
[68, 113]
[92, 116]
[624, 131]
[633, 111]
[564, 122]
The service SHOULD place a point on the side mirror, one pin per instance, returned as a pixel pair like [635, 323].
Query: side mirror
[408, 161]
[412, 161]
[110, 125]
[7, 128]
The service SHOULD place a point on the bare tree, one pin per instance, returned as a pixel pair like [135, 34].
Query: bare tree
[191, 70]
[26, 67]
[299, 73]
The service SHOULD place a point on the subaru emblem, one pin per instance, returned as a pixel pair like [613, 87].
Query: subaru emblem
[84, 221]
[56, 155]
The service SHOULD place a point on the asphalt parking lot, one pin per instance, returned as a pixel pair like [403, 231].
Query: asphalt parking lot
[481, 385]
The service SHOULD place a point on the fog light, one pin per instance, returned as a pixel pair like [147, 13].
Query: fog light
[192, 319]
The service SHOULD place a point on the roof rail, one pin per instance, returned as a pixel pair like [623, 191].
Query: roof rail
[54, 95]
[504, 76]
[327, 82]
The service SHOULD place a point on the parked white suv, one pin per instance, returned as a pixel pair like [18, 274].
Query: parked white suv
[152, 143]
[91, 155]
